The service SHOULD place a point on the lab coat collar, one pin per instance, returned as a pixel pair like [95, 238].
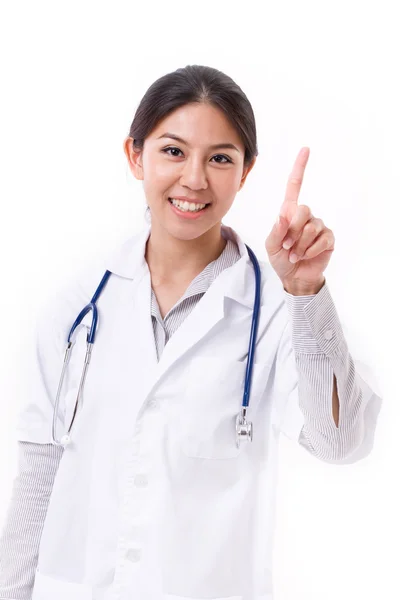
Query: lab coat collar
[236, 282]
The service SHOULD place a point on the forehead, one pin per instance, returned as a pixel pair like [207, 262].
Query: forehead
[200, 124]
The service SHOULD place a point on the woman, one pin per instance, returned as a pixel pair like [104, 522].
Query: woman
[155, 497]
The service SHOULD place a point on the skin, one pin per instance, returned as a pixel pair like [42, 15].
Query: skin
[311, 241]
[178, 249]
[308, 238]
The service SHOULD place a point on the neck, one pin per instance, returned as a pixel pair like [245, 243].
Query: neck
[172, 259]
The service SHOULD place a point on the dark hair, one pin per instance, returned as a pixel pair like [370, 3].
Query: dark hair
[196, 83]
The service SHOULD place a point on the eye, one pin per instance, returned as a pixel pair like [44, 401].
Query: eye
[172, 148]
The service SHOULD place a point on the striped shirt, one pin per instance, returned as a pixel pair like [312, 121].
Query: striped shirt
[165, 328]
[38, 463]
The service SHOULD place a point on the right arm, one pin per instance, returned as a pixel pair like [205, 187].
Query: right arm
[21, 534]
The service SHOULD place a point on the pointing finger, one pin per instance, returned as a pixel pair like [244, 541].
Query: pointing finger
[296, 178]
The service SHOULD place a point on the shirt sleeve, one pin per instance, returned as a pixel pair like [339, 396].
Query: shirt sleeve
[313, 350]
[21, 533]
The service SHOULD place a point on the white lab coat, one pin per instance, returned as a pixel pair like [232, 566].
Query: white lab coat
[152, 499]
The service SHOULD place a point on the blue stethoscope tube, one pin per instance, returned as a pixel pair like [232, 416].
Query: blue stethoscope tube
[244, 429]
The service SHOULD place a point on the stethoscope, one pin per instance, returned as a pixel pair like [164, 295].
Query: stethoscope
[244, 428]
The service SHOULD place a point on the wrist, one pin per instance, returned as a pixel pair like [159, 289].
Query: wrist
[301, 289]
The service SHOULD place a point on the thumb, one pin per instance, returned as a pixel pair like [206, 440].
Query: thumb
[275, 239]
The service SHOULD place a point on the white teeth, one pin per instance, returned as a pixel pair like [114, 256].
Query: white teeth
[187, 206]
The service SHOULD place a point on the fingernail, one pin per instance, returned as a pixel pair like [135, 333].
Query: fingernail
[293, 258]
[287, 244]
[278, 221]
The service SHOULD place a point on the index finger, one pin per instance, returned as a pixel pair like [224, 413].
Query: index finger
[296, 176]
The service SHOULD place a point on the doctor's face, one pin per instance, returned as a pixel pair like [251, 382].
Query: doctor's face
[194, 153]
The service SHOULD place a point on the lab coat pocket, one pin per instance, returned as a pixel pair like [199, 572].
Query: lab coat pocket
[212, 402]
[50, 588]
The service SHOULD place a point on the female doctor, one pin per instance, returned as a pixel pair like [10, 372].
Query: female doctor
[156, 496]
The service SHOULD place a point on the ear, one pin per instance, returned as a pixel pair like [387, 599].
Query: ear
[246, 171]
[134, 158]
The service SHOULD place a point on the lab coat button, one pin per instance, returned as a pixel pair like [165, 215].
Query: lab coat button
[141, 481]
[328, 334]
[134, 554]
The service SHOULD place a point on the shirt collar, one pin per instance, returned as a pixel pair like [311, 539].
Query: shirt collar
[202, 282]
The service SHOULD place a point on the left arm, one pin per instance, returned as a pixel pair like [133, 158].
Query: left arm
[332, 397]
[299, 322]
[327, 397]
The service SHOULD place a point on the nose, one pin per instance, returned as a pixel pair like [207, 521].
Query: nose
[194, 175]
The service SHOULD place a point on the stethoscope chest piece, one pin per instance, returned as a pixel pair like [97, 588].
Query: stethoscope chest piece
[244, 429]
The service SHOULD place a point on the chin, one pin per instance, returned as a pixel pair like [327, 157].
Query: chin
[187, 230]
[190, 231]
[187, 233]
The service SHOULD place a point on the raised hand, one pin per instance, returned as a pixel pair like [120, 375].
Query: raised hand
[299, 246]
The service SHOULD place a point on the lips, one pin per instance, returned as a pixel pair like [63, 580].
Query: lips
[187, 215]
[190, 200]
[207, 204]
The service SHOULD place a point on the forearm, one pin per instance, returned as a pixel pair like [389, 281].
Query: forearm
[330, 395]
[310, 292]
[20, 539]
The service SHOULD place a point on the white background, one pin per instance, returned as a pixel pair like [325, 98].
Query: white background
[318, 74]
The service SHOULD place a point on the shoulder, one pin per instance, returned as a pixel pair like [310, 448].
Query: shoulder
[65, 302]
[274, 314]
[272, 291]
[58, 312]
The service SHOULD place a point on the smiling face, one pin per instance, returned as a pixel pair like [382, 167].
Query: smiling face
[190, 167]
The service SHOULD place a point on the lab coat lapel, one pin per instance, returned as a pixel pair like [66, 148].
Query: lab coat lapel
[133, 316]
[137, 325]
[131, 342]
[236, 282]
[145, 345]
[205, 315]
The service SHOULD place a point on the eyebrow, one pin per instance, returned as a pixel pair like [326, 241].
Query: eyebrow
[213, 147]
